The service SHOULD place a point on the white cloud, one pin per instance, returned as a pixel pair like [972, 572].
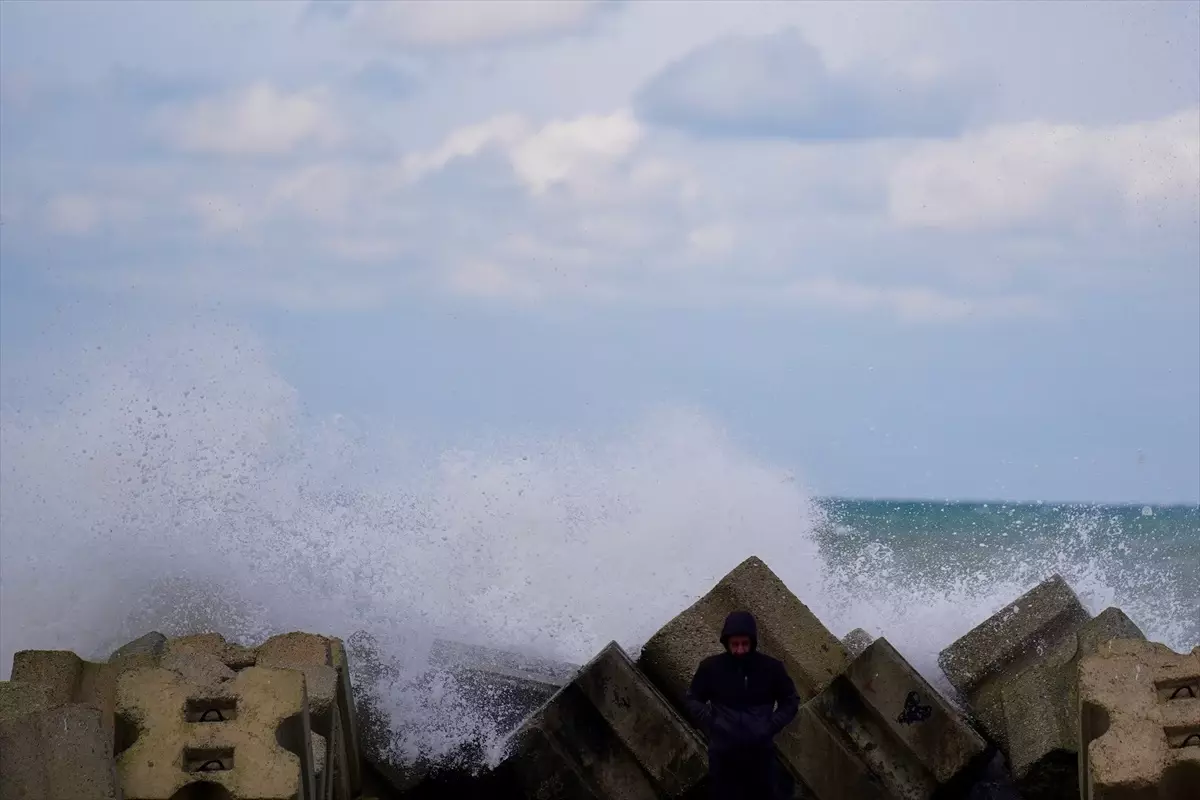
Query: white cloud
[467, 23]
[253, 121]
[465, 142]
[576, 152]
[778, 86]
[1037, 171]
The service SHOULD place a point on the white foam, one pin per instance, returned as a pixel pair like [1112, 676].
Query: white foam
[178, 485]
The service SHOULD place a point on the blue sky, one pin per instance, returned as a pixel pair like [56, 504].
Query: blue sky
[905, 249]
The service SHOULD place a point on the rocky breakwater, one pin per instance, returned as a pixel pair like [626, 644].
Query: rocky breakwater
[1050, 703]
[1040, 683]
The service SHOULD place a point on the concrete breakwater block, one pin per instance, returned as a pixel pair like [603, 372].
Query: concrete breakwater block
[1018, 673]
[995, 652]
[856, 641]
[787, 630]
[326, 669]
[607, 734]
[1139, 722]
[879, 730]
[50, 752]
[64, 678]
[68, 679]
[1040, 709]
[247, 732]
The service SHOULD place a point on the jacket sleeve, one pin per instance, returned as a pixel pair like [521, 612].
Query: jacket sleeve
[787, 700]
[697, 697]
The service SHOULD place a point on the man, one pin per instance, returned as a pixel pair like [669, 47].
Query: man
[741, 699]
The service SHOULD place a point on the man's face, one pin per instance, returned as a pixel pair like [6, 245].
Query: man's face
[739, 645]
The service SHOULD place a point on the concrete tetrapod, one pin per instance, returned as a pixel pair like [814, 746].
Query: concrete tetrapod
[1139, 722]
[53, 752]
[995, 652]
[607, 734]
[1039, 708]
[66, 678]
[880, 731]
[1018, 672]
[247, 732]
[61, 678]
[856, 641]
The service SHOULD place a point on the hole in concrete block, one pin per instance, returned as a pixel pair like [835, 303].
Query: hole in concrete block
[203, 791]
[208, 759]
[1093, 723]
[220, 709]
[125, 733]
[1183, 736]
[1180, 779]
[1178, 689]
[290, 736]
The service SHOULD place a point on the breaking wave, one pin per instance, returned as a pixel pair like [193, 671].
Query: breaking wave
[179, 485]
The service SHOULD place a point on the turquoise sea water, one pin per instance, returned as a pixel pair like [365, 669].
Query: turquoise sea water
[1145, 559]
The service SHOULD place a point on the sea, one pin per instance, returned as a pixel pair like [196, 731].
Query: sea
[191, 492]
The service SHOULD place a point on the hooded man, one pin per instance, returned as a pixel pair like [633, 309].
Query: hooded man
[741, 699]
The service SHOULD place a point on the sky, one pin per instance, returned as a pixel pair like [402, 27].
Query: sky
[934, 250]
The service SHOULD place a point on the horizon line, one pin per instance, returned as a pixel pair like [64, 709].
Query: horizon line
[976, 502]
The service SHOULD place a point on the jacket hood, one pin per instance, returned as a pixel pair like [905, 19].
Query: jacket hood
[740, 623]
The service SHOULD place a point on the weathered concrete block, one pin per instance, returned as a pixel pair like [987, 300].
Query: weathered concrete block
[232, 655]
[880, 730]
[151, 644]
[787, 630]
[330, 703]
[249, 734]
[609, 733]
[59, 672]
[62, 677]
[311, 655]
[1139, 722]
[59, 753]
[1039, 707]
[66, 678]
[994, 653]
[19, 699]
[856, 641]
[1023, 691]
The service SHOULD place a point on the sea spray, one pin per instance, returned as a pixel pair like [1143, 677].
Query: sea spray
[180, 485]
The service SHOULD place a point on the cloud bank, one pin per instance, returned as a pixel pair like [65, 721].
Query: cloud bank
[777, 85]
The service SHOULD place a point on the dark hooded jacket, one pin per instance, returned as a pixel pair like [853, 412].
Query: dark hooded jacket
[741, 702]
